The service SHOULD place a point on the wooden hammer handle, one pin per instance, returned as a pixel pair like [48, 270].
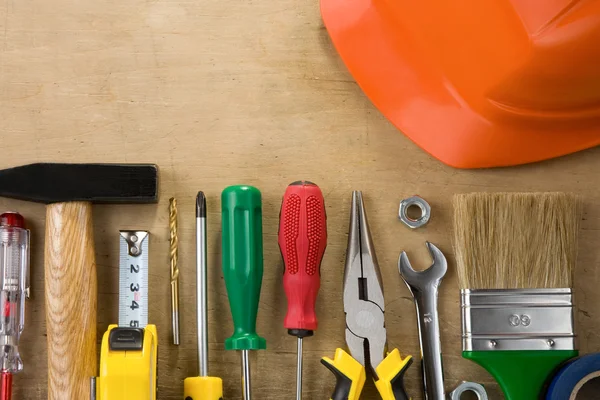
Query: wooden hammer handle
[71, 295]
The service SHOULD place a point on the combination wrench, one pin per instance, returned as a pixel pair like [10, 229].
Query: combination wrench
[424, 288]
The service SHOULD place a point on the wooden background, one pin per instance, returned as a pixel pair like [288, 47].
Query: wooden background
[219, 93]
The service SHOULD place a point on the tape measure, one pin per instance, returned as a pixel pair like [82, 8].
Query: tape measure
[133, 279]
[128, 355]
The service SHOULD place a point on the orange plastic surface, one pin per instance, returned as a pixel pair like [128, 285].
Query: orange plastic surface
[477, 83]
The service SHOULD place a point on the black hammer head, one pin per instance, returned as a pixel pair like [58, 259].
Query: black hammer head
[97, 183]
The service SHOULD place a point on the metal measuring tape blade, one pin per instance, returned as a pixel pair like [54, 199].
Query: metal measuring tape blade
[133, 279]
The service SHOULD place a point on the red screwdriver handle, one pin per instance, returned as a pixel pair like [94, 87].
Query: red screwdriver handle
[302, 240]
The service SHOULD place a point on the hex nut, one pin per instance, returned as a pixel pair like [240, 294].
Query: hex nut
[414, 201]
[476, 388]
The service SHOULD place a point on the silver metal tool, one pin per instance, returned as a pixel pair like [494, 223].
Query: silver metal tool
[246, 375]
[414, 201]
[473, 387]
[363, 292]
[201, 284]
[365, 325]
[424, 288]
[299, 370]
[202, 386]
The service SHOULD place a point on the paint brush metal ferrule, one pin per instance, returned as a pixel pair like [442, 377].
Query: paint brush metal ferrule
[517, 319]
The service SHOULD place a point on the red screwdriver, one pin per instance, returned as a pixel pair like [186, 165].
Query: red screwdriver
[302, 240]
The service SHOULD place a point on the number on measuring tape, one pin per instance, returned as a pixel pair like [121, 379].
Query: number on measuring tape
[133, 279]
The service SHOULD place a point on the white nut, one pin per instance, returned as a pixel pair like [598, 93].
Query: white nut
[476, 388]
[411, 222]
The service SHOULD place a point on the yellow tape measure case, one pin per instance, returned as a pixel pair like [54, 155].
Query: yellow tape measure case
[128, 360]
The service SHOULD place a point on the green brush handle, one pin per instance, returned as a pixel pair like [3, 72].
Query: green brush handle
[521, 374]
[243, 263]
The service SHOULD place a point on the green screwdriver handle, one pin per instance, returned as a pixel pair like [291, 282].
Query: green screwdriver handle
[241, 214]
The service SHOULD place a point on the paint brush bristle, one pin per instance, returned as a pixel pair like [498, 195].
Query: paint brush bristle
[516, 240]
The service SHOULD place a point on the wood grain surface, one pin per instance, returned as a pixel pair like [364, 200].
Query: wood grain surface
[220, 93]
[71, 293]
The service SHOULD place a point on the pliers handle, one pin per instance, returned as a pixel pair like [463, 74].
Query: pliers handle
[351, 376]
[391, 376]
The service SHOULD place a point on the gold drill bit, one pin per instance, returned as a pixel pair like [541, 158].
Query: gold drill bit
[174, 269]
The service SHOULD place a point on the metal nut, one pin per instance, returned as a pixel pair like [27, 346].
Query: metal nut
[476, 388]
[425, 212]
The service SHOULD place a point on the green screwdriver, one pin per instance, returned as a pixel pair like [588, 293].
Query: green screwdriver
[241, 213]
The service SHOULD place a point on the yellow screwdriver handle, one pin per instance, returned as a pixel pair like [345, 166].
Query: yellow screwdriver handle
[203, 388]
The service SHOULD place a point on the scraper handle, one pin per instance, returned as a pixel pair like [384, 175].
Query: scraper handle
[71, 293]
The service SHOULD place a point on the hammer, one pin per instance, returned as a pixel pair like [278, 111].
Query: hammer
[70, 266]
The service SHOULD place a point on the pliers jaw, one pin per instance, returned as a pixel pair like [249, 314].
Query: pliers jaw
[361, 251]
[363, 292]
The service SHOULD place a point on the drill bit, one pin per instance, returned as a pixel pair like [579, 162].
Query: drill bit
[174, 269]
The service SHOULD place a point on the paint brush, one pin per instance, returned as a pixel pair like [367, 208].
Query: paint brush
[516, 253]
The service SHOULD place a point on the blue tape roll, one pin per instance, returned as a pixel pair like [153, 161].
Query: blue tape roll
[571, 374]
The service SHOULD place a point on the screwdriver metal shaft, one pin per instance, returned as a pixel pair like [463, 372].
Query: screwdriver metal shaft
[246, 388]
[299, 371]
[201, 284]
[202, 387]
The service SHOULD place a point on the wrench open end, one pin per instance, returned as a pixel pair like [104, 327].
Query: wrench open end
[418, 279]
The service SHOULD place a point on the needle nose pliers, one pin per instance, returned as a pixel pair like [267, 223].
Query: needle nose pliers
[365, 325]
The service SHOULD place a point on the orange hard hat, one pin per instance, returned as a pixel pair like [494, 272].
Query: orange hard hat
[477, 83]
